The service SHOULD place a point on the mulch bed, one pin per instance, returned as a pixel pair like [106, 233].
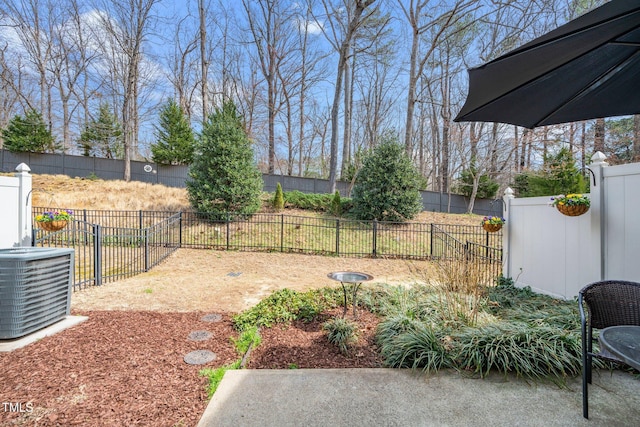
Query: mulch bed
[123, 368]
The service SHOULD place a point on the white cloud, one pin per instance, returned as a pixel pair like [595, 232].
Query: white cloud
[311, 27]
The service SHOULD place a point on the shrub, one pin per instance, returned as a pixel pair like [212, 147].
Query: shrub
[387, 187]
[285, 306]
[314, 202]
[223, 176]
[336, 204]
[278, 199]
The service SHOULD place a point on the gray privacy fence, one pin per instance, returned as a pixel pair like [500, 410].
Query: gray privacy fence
[176, 176]
[116, 244]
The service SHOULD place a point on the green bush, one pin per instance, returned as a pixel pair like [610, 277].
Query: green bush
[285, 306]
[278, 199]
[387, 187]
[223, 176]
[487, 187]
[559, 175]
[336, 204]
[315, 202]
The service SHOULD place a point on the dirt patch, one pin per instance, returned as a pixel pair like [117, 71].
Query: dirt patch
[205, 280]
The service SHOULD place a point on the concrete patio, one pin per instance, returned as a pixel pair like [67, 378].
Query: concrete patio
[392, 397]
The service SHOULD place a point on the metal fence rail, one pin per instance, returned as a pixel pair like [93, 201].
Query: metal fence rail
[111, 245]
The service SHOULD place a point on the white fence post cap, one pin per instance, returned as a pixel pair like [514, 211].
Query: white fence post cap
[22, 167]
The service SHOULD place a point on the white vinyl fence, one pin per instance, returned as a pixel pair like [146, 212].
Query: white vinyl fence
[558, 255]
[15, 208]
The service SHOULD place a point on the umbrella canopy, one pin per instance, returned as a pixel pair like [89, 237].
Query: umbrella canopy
[588, 68]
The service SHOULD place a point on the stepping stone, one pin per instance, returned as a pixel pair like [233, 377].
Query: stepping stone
[215, 317]
[200, 357]
[200, 335]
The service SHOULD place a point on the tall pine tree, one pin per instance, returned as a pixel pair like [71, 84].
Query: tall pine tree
[175, 140]
[28, 133]
[103, 136]
[223, 176]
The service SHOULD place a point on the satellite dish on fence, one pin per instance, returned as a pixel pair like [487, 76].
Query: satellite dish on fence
[148, 168]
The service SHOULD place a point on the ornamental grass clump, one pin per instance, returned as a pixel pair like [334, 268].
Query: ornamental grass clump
[503, 329]
[341, 332]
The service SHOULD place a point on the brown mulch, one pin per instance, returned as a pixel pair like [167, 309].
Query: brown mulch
[123, 368]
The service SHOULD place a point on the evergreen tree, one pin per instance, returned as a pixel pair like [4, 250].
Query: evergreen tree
[559, 175]
[278, 199]
[28, 133]
[175, 140]
[223, 176]
[387, 187]
[103, 136]
[487, 188]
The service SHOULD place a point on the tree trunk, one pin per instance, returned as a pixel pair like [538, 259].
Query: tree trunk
[204, 64]
[598, 137]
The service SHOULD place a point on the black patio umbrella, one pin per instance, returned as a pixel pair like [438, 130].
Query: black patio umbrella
[588, 68]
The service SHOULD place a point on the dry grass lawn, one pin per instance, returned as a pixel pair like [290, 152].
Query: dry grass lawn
[205, 280]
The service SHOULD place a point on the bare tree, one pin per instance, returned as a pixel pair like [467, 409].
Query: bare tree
[70, 59]
[268, 25]
[29, 20]
[344, 23]
[439, 26]
[127, 25]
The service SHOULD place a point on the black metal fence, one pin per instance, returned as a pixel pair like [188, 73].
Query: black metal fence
[116, 244]
[106, 253]
[485, 256]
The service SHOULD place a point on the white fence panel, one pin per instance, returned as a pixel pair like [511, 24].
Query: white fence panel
[622, 222]
[546, 249]
[15, 209]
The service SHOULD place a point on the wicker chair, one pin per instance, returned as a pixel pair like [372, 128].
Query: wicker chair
[607, 303]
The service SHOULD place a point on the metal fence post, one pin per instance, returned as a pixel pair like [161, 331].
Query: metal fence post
[375, 237]
[180, 230]
[431, 241]
[228, 228]
[281, 232]
[338, 236]
[97, 254]
[146, 249]
[140, 219]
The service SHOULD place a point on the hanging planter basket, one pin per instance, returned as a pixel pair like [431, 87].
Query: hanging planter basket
[491, 228]
[572, 210]
[52, 225]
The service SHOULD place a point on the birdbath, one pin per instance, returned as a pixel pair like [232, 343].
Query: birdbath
[355, 279]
